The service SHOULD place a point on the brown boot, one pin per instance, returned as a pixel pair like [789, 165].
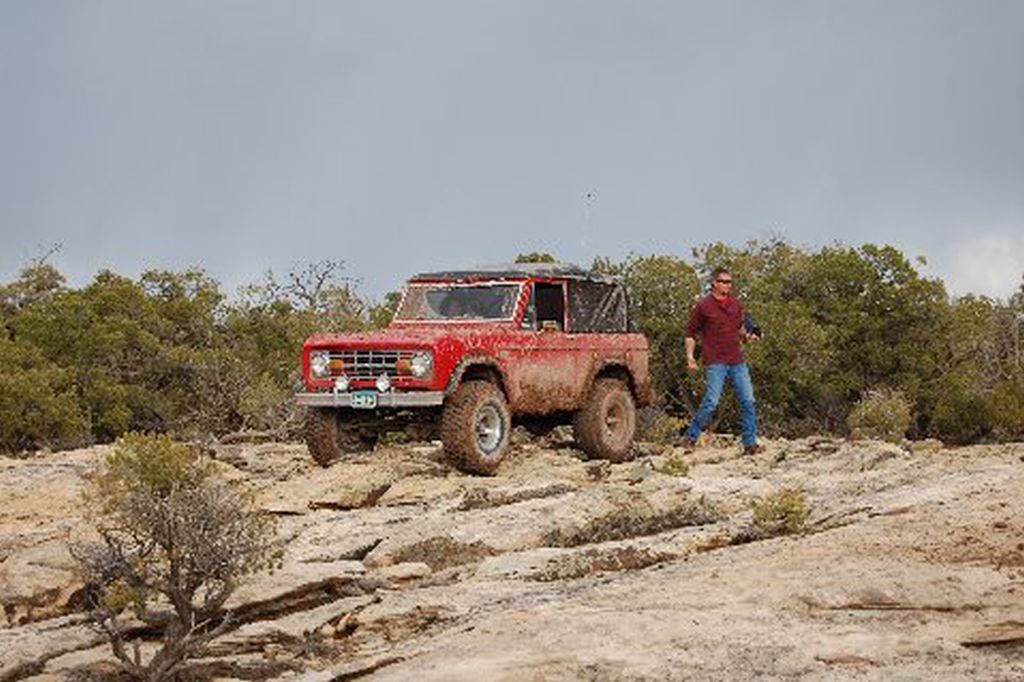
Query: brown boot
[755, 449]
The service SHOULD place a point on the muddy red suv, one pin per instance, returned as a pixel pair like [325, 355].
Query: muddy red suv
[469, 351]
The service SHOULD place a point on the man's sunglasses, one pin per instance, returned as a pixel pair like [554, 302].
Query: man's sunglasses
[724, 281]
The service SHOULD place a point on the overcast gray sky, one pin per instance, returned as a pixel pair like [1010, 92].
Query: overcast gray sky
[244, 135]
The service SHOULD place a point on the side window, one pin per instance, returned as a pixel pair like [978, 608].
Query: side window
[549, 305]
[597, 307]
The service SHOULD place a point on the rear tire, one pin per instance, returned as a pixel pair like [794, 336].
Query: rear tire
[328, 436]
[475, 427]
[605, 427]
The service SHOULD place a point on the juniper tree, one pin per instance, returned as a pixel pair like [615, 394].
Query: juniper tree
[175, 541]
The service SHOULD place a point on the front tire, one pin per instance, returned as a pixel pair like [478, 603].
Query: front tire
[605, 427]
[475, 427]
[328, 436]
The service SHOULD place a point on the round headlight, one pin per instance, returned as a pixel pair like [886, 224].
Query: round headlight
[383, 383]
[319, 364]
[420, 364]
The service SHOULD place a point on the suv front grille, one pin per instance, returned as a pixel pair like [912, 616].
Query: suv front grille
[368, 364]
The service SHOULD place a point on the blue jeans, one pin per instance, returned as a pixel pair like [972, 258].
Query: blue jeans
[739, 375]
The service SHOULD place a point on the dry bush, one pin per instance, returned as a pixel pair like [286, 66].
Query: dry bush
[635, 517]
[782, 513]
[882, 414]
[397, 437]
[176, 540]
[674, 465]
[662, 428]
[269, 409]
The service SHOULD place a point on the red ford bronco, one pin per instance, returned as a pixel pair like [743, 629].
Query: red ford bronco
[470, 350]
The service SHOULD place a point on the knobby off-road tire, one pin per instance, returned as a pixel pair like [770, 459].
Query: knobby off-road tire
[475, 427]
[328, 437]
[605, 427]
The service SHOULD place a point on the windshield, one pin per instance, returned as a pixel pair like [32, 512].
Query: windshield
[458, 302]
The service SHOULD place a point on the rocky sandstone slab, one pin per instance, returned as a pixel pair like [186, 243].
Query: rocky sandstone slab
[396, 567]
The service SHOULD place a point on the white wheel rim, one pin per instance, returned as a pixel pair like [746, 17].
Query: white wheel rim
[488, 428]
[616, 419]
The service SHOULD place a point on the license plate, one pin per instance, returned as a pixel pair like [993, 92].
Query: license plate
[364, 400]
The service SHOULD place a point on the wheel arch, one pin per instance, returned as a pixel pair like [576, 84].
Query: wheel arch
[615, 369]
[477, 367]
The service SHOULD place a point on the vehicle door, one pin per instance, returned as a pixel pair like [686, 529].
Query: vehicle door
[543, 361]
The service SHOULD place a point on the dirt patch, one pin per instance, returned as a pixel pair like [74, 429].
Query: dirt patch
[488, 498]
[1000, 550]
[994, 537]
[634, 520]
[587, 562]
[443, 552]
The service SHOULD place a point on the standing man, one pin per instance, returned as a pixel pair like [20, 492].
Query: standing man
[719, 321]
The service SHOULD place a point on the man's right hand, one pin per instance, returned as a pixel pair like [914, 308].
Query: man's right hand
[691, 348]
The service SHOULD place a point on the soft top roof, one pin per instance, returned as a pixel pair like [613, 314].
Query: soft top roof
[518, 271]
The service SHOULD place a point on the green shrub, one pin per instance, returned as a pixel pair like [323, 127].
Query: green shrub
[264, 404]
[661, 428]
[1008, 410]
[882, 414]
[151, 463]
[674, 465]
[38, 405]
[962, 416]
[782, 513]
[389, 438]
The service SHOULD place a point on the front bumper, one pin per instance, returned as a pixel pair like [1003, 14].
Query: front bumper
[344, 399]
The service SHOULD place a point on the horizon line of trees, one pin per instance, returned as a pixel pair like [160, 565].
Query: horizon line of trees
[168, 352]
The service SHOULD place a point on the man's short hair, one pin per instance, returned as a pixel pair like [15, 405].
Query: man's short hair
[719, 271]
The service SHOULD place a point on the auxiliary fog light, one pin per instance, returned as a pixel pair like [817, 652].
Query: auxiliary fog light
[383, 383]
[341, 384]
[420, 365]
[319, 363]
